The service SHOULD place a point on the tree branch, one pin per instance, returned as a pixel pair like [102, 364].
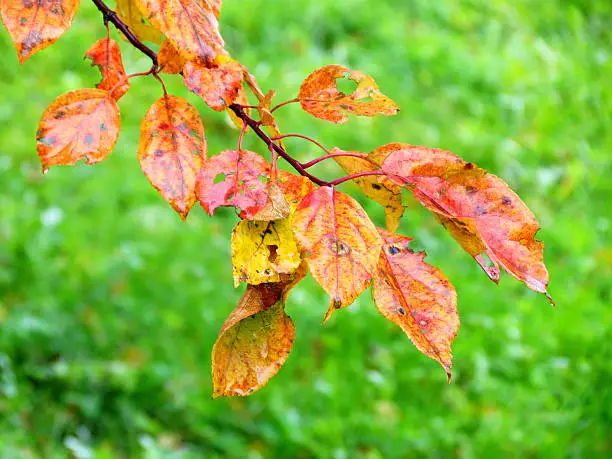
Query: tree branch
[112, 17]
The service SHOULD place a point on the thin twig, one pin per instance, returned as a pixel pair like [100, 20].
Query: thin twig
[302, 136]
[334, 155]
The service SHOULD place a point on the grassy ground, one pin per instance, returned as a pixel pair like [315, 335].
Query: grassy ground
[109, 305]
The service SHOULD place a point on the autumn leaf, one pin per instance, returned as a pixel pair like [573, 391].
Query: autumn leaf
[79, 124]
[263, 251]
[479, 209]
[339, 243]
[218, 82]
[190, 25]
[106, 55]
[172, 149]
[242, 99]
[416, 297]
[294, 187]
[320, 96]
[216, 7]
[169, 59]
[254, 341]
[234, 178]
[131, 15]
[36, 24]
[376, 187]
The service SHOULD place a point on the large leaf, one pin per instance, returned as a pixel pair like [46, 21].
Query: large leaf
[79, 124]
[479, 209]
[218, 82]
[172, 149]
[235, 178]
[254, 341]
[339, 243]
[130, 14]
[35, 24]
[417, 297]
[320, 96]
[106, 55]
[191, 26]
[376, 187]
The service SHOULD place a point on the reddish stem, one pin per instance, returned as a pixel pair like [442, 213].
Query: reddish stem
[334, 155]
[354, 176]
[282, 104]
[301, 136]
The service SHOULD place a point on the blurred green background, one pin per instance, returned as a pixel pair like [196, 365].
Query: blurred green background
[109, 304]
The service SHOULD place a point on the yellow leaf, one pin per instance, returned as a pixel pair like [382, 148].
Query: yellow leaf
[129, 13]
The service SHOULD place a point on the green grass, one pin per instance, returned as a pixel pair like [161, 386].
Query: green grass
[109, 305]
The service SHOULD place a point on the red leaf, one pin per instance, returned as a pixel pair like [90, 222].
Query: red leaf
[339, 243]
[234, 178]
[479, 209]
[171, 151]
[417, 297]
[320, 96]
[106, 55]
[79, 124]
[35, 24]
[218, 83]
[191, 26]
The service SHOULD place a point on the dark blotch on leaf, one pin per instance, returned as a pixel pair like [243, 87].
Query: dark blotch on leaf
[376, 186]
[393, 250]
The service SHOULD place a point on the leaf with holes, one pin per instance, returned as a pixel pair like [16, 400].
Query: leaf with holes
[106, 55]
[172, 149]
[263, 251]
[254, 341]
[319, 95]
[131, 15]
[79, 124]
[190, 25]
[234, 178]
[376, 187]
[218, 83]
[417, 297]
[339, 243]
[479, 209]
[36, 24]
[169, 59]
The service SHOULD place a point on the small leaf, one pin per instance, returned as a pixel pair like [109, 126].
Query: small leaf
[254, 341]
[36, 24]
[376, 187]
[320, 96]
[106, 55]
[172, 149]
[234, 178]
[417, 297]
[169, 59]
[339, 243]
[190, 25]
[263, 251]
[218, 83]
[129, 13]
[479, 209]
[79, 124]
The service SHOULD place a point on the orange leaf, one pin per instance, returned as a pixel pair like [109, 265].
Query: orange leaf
[254, 341]
[417, 297]
[234, 178]
[218, 83]
[320, 96]
[171, 151]
[376, 187]
[339, 243]
[79, 124]
[190, 25]
[216, 7]
[106, 55]
[294, 187]
[479, 209]
[169, 59]
[35, 24]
